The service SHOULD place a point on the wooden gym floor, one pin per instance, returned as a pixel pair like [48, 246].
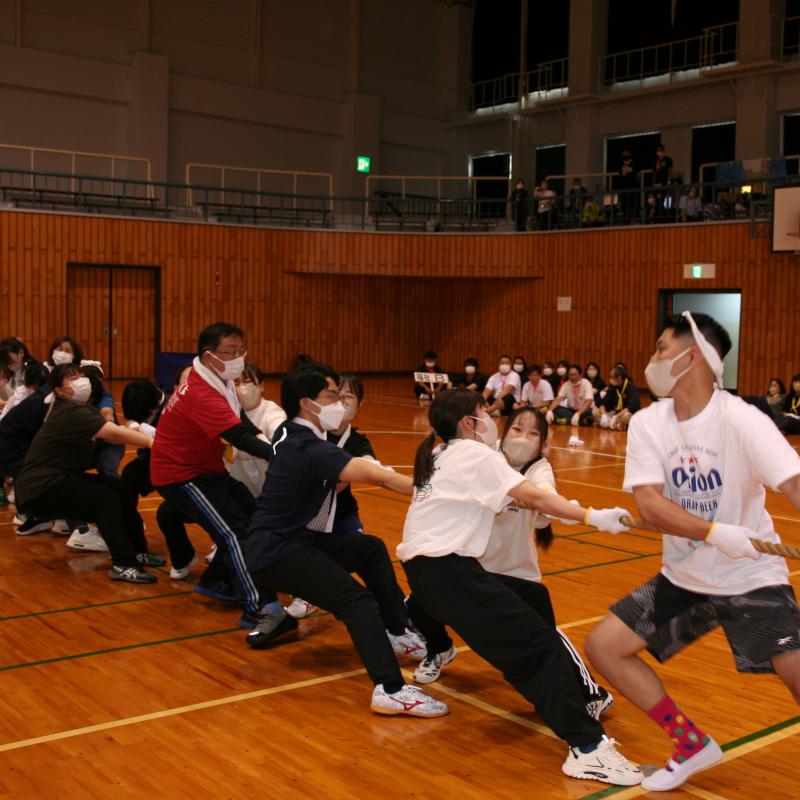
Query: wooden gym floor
[113, 690]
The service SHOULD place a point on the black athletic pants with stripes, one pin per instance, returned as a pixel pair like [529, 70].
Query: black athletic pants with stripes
[505, 631]
[320, 573]
[223, 507]
[103, 499]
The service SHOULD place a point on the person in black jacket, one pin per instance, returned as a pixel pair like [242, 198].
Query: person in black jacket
[620, 403]
[519, 205]
[789, 421]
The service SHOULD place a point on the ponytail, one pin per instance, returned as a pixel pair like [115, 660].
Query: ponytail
[544, 537]
[423, 461]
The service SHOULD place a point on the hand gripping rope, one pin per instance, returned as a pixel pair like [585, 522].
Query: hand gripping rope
[773, 549]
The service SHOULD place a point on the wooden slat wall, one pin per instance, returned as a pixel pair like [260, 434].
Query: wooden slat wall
[373, 302]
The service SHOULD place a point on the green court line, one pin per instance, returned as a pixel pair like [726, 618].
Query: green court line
[91, 605]
[116, 649]
[732, 745]
[609, 547]
[600, 564]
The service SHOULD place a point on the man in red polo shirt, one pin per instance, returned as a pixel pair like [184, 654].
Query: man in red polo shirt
[187, 468]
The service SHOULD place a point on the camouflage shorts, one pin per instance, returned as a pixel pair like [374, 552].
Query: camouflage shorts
[759, 625]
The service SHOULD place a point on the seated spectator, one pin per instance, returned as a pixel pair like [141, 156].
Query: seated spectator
[14, 357]
[53, 481]
[35, 376]
[562, 368]
[691, 206]
[651, 213]
[519, 205]
[577, 197]
[520, 366]
[549, 373]
[425, 392]
[537, 392]
[64, 350]
[789, 420]
[472, 377]
[620, 403]
[573, 403]
[592, 373]
[503, 389]
[593, 215]
[545, 206]
[772, 402]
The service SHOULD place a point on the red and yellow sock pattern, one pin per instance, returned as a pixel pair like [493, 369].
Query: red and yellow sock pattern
[686, 736]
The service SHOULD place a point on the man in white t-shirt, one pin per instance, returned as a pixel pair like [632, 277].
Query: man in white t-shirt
[573, 403]
[503, 389]
[537, 392]
[697, 463]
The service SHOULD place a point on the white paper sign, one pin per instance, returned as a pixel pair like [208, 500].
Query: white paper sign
[563, 304]
[430, 377]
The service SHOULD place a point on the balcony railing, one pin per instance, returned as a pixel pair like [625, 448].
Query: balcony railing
[546, 81]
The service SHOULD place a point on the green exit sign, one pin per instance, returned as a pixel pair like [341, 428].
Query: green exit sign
[363, 163]
[697, 270]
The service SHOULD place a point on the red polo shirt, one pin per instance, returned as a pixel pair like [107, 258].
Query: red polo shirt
[187, 442]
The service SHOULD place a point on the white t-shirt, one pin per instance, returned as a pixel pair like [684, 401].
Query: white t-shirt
[715, 466]
[17, 396]
[512, 545]
[498, 382]
[248, 469]
[573, 396]
[536, 395]
[454, 512]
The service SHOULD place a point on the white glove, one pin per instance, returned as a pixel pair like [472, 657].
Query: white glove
[134, 426]
[576, 418]
[733, 540]
[549, 416]
[147, 430]
[607, 519]
[570, 521]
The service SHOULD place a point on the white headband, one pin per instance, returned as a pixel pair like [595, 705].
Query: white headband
[709, 352]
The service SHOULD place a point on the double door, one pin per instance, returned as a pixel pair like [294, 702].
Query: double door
[113, 311]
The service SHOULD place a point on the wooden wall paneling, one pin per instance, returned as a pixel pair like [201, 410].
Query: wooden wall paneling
[88, 311]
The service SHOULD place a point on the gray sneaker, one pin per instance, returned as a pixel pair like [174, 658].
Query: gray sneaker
[268, 627]
[130, 575]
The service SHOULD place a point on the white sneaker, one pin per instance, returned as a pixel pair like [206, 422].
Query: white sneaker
[61, 526]
[299, 608]
[180, 574]
[87, 537]
[409, 700]
[12, 497]
[605, 763]
[408, 644]
[431, 667]
[674, 774]
[210, 557]
[20, 518]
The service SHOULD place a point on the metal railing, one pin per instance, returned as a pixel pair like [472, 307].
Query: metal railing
[790, 38]
[672, 61]
[223, 170]
[547, 80]
[729, 199]
[112, 160]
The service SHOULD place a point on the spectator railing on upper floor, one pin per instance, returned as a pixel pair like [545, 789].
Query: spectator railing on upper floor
[748, 198]
[256, 173]
[672, 61]
[548, 80]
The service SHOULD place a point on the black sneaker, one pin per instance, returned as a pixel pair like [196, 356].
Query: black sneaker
[131, 575]
[267, 627]
[150, 560]
[599, 703]
[219, 591]
[33, 525]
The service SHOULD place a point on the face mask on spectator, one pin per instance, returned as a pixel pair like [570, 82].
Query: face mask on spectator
[547, 372]
[470, 370]
[61, 357]
[81, 390]
[519, 367]
[562, 371]
[504, 369]
[249, 395]
[591, 374]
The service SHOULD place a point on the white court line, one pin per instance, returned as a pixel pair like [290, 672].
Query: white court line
[589, 452]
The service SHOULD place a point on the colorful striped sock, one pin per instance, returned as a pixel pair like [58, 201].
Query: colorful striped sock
[686, 736]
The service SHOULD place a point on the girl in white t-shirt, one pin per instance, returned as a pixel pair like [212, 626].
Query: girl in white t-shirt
[511, 555]
[459, 489]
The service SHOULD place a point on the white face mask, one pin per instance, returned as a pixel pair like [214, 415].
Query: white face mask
[61, 357]
[233, 369]
[547, 372]
[469, 370]
[562, 371]
[504, 369]
[591, 373]
[520, 450]
[249, 395]
[430, 364]
[81, 390]
[519, 367]
[330, 417]
[659, 377]
[489, 436]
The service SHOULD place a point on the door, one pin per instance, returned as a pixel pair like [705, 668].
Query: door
[114, 312]
[491, 194]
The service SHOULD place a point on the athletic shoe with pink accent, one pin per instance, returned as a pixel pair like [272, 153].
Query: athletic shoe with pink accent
[409, 700]
[408, 644]
[674, 774]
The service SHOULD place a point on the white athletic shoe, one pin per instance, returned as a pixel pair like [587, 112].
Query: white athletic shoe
[408, 644]
[431, 666]
[61, 526]
[299, 608]
[673, 774]
[180, 574]
[210, 557]
[605, 763]
[409, 700]
[12, 497]
[87, 537]
[20, 518]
